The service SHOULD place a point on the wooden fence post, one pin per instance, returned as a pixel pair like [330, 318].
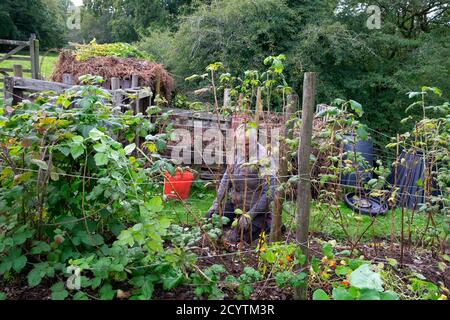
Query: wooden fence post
[275, 229]
[18, 71]
[226, 97]
[117, 96]
[134, 81]
[34, 56]
[304, 185]
[67, 78]
[12, 94]
[8, 90]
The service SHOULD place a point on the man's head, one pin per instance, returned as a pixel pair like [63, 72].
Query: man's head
[246, 140]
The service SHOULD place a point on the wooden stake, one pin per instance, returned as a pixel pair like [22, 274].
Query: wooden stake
[115, 85]
[258, 108]
[34, 57]
[275, 229]
[134, 81]
[18, 71]
[304, 185]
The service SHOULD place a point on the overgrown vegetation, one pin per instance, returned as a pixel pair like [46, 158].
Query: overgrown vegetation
[123, 50]
[81, 211]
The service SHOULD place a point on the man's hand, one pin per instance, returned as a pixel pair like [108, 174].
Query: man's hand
[244, 221]
[210, 212]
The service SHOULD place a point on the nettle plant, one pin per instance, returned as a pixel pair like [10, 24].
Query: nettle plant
[71, 183]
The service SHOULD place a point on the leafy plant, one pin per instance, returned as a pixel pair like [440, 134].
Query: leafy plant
[363, 284]
[207, 282]
[84, 52]
[244, 284]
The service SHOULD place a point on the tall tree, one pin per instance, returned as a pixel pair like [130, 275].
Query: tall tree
[128, 19]
[45, 18]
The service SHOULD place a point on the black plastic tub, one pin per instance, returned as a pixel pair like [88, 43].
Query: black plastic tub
[365, 205]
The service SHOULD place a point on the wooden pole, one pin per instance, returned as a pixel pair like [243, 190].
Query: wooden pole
[67, 78]
[258, 107]
[18, 71]
[275, 229]
[115, 85]
[226, 97]
[8, 91]
[34, 56]
[134, 81]
[304, 185]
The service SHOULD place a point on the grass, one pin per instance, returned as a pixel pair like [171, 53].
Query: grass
[320, 222]
[378, 227]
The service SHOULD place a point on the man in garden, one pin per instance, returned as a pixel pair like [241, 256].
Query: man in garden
[247, 188]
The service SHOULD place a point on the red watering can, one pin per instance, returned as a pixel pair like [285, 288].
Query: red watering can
[178, 186]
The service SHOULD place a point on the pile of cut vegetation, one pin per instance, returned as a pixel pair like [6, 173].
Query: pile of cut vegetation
[115, 60]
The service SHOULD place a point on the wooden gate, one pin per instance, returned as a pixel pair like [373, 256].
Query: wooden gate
[12, 55]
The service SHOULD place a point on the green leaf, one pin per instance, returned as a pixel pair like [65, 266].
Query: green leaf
[319, 294]
[413, 94]
[298, 279]
[437, 91]
[59, 292]
[370, 294]
[5, 266]
[147, 289]
[100, 147]
[106, 292]
[2, 296]
[64, 150]
[164, 222]
[389, 295]
[40, 247]
[101, 159]
[362, 133]
[19, 263]
[96, 134]
[35, 276]
[170, 169]
[327, 250]
[76, 150]
[392, 262]
[419, 182]
[342, 270]
[156, 204]
[21, 236]
[364, 278]
[171, 282]
[78, 139]
[80, 296]
[41, 164]
[129, 148]
[315, 264]
[341, 293]
[357, 107]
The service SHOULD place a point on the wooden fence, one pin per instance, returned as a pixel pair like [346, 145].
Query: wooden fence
[17, 87]
[12, 55]
[195, 126]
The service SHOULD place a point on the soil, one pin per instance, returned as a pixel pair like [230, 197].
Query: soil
[419, 260]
